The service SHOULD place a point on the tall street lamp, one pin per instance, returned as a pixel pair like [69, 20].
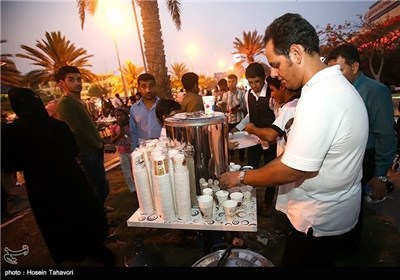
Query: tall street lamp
[120, 67]
[115, 19]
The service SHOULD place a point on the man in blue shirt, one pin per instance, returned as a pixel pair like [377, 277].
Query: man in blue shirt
[382, 143]
[143, 122]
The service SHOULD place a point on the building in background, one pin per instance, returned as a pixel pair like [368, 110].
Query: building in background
[382, 10]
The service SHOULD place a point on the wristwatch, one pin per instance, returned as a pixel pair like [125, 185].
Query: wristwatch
[383, 179]
[241, 177]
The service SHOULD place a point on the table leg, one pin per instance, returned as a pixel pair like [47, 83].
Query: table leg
[207, 241]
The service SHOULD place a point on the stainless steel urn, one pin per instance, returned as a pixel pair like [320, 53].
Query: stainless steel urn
[209, 138]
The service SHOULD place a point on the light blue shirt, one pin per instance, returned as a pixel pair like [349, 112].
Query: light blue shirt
[143, 123]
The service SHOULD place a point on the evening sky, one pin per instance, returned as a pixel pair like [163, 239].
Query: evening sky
[204, 43]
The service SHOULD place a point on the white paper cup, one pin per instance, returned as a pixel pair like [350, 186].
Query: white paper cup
[208, 191]
[237, 196]
[235, 167]
[247, 192]
[209, 102]
[205, 200]
[206, 205]
[233, 189]
[230, 207]
[222, 195]
[204, 186]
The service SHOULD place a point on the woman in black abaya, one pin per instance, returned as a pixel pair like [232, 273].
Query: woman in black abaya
[72, 223]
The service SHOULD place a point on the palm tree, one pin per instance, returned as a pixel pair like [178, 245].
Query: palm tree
[178, 69]
[53, 53]
[131, 72]
[206, 82]
[251, 46]
[152, 35]
[10, 76]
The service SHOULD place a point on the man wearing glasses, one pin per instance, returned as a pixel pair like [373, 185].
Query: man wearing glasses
[261, 113]
[143, 123]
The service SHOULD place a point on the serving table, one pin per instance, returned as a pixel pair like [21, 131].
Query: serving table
[245, 220]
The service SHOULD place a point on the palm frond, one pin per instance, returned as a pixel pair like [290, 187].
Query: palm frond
[10, 76]
[86, 5]
[50, 54]
[174, 8]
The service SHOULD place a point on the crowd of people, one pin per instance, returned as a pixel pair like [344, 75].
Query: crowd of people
[326, 136]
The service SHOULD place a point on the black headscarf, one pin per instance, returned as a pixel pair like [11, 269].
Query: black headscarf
[27, 105]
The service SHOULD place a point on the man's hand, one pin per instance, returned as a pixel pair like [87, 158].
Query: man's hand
[232, 144]
[393, 177]
[229, 179]
[378, 189]
[250, 128]
[234, 130]
[234, 109]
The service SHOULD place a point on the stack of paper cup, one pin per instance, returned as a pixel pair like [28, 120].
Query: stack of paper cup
[164, 200]
[182, 187]
[143, 185]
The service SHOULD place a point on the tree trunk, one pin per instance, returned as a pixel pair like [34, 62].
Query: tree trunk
[377, 74]
[154, 47]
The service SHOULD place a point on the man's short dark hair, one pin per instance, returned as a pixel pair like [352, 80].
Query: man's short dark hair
[232, 76]
[274, 82]
[64, 70]
[189, 80]
[146, 77]
[254, 70]
[222, 82]
[291, 29]
[348, 51]
[164, 108]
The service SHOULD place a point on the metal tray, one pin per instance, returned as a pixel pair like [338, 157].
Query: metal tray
[237, 258]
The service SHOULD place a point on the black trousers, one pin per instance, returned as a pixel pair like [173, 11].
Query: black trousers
[368, 173]
[303, 249]
[254, 155]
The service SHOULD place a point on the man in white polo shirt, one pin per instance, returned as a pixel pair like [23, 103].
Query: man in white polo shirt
[324, 152]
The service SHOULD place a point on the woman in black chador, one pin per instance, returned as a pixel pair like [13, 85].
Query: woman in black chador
[72, 223]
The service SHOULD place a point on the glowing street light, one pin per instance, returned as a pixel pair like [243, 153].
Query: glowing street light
[221, 64]
[191, 51]
[115, 19]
